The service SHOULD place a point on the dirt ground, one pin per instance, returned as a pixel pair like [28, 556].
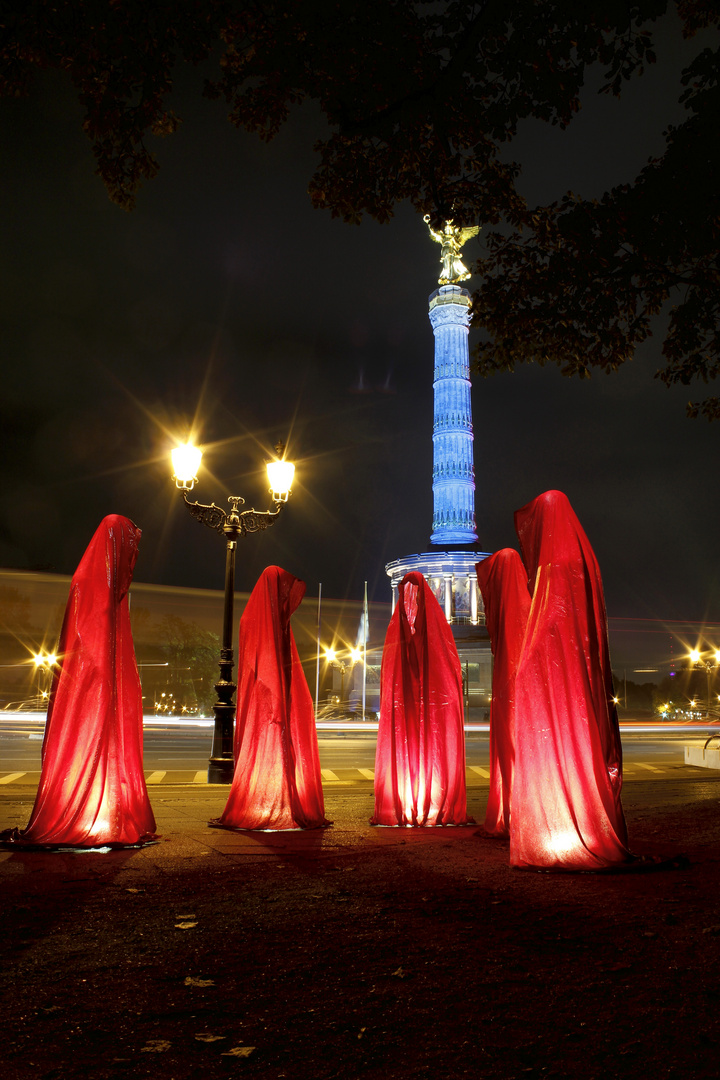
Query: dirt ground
[368, 953]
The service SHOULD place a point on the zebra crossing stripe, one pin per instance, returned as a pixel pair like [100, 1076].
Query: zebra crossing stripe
[369, 774]
[200, 777]
[328, 774]
[155, 777]
[479, 771]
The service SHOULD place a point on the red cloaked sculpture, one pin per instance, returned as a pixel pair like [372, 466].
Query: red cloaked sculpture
[565, 801]
[503, 583]
[277, 782]
[420, 757]
[92, 789]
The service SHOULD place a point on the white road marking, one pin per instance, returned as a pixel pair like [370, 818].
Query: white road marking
[328, 774]
[479, 771]
[155, 777]
[650, 768]
[200, 777]
[369, 774]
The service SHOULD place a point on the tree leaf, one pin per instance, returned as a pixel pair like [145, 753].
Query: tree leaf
[156, 1046]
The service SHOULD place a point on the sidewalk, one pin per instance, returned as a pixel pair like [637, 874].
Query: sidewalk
[360, 952]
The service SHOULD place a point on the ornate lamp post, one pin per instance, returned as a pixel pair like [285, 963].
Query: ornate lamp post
[232, 525]
[708, 666]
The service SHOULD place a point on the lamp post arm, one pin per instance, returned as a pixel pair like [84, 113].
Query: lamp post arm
[254, 520]
[235, 523]
[213, 516]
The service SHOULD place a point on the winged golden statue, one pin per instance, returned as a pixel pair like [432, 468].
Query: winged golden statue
[451, 240]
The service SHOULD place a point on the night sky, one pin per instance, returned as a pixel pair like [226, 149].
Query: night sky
[226, 298]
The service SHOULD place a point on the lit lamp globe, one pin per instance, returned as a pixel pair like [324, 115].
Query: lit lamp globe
[280, 477]
[186, 462]
[695, 655]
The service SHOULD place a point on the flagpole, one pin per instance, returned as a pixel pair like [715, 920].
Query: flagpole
[365, 637]
[317, 656]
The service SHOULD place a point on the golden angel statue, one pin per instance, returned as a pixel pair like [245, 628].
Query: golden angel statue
[452, 239]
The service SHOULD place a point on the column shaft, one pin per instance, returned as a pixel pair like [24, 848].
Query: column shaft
[453, 469]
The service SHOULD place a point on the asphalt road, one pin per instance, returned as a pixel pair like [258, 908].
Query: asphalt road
[343, 756]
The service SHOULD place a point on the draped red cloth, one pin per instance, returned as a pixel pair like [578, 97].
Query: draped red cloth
[420, 757]
[566, 809]
[503, 583]
[277, 782]
[92, 789]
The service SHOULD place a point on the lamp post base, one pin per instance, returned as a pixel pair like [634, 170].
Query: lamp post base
[220, 770]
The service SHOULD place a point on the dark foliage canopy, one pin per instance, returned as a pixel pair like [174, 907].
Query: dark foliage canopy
[420, 100]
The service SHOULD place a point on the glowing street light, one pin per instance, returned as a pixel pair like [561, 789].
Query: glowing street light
[186, 465]
[232, 525]
[347, 658]
[44, 665]
[707, 663]
[45, 660]
[280, 475]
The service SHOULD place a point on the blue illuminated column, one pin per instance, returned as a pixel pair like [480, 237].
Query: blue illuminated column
[453, 469]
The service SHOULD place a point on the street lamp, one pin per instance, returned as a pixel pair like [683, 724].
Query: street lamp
[332, 658]
[44, 668]
[341, 663]
[232, 525]
[709, 666]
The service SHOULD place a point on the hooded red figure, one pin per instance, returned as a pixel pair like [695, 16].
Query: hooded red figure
[565, 800]
[92, 789]
[420, 757]
[277, 782]
[503, 583]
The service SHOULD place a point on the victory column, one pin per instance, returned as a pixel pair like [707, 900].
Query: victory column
[451, 572]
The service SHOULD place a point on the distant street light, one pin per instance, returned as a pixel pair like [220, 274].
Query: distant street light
[44, 667]
[45, 660]
[233, 524]
[342, 663]
[709, 665]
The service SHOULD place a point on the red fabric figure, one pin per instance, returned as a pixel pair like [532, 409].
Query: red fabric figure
[420, 757]
[566, 809]
[92, 788]
[277, 782]
[503, 583]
